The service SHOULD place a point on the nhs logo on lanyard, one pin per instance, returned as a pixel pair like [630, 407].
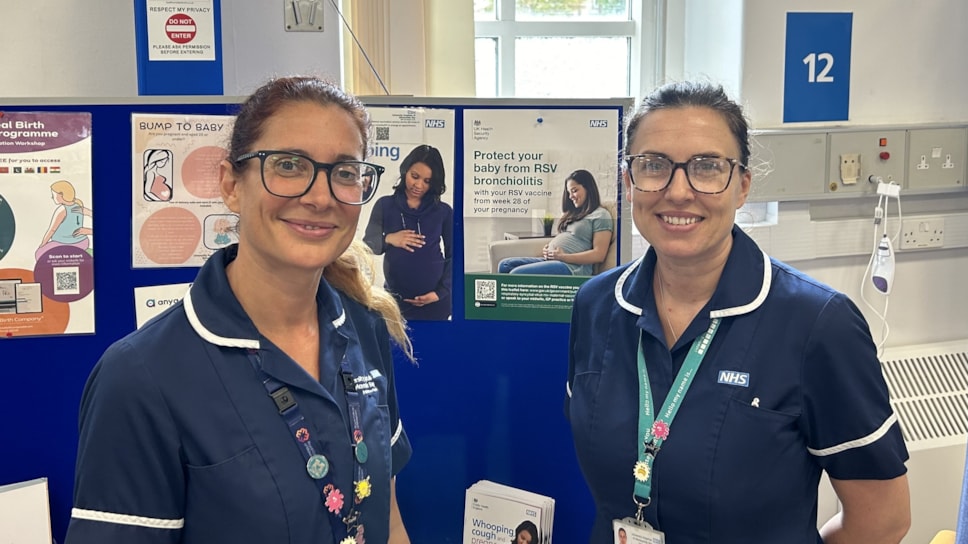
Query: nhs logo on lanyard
[732, 377]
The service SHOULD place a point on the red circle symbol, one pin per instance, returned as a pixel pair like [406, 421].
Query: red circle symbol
[180, 28]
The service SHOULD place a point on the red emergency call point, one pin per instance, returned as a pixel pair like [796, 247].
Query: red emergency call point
[180, 28]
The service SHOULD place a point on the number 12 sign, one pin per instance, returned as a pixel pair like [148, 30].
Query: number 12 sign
[816, 80]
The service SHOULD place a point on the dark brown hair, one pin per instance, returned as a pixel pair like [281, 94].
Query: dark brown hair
[266, 101]
[694, 94]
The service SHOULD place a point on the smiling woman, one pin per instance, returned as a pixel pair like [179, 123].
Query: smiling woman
[584, 234]
[748, 378]
[229, 405]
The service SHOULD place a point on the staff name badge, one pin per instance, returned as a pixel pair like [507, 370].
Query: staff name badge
[630, 531]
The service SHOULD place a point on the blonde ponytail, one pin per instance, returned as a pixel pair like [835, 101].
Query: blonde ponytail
[352, 273]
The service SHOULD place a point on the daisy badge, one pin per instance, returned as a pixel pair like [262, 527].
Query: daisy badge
[348, 540]
[641, 471]
[363, 489]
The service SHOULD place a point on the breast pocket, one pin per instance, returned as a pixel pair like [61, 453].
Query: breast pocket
[751, 434]
[234, 500]
[760, 462]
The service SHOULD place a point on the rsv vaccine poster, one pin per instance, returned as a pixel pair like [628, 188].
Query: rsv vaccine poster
[516, 165]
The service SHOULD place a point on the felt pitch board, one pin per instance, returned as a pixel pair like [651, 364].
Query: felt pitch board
[485, 400]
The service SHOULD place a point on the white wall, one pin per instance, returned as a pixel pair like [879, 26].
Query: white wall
[908, 61]
[57, 48]
[713, 41]
[256, 45]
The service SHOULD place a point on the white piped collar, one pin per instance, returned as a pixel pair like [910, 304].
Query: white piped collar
[736, 308]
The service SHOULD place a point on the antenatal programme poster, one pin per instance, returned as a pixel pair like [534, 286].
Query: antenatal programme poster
[46, 234]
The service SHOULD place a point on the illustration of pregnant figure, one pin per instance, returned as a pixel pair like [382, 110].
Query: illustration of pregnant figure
[67, 222]
[157, 175]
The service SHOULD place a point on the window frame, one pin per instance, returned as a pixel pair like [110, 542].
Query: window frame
[644, 30]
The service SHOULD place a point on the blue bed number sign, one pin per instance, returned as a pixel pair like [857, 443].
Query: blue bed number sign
[816, 80]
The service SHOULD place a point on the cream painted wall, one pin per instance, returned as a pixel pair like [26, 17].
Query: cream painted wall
[450, 48]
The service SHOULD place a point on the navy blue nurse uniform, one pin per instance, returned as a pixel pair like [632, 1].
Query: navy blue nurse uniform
[791, 386]
[181, 443]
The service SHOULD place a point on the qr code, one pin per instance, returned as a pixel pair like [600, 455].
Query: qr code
[485, 290]
[382, 133]
[66, 281]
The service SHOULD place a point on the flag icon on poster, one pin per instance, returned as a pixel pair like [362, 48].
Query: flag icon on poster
[55, 169]
[4, 169]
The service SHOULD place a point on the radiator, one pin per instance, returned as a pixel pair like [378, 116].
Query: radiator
[928, 385]
[929, 392]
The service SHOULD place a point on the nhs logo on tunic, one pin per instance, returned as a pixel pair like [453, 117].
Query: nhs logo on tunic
[598, 123]
[434, 123]
[731, 377]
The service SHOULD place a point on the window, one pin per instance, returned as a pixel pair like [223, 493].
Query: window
[563, 48]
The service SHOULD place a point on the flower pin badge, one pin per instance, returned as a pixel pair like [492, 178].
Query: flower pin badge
[641, 471]
[660, 429]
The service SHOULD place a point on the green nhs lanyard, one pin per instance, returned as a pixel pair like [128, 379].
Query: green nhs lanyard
[654, 430]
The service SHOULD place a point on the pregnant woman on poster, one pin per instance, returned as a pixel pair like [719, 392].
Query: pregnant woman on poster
[67, 222]
[414, 230]
[157, 186]
[584, 234]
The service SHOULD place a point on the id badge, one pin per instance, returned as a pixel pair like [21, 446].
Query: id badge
[630, 531]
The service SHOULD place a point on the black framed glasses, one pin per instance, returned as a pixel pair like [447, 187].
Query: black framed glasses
[708, 175]
[291, 175]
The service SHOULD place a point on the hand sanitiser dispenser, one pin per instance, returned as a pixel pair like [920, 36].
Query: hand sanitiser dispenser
[882, 274]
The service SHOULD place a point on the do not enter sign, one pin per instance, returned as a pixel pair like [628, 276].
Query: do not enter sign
[180, 28]
[178, 31]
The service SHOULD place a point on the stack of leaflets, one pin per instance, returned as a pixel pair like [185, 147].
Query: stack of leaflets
[499, 514]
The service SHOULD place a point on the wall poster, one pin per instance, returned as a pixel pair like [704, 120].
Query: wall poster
[46, 234]
[409, 224]
[177, 210]
[538, 186]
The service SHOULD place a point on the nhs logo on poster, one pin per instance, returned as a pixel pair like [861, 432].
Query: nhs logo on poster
[598, 123]
[731, 377]
[434, 123]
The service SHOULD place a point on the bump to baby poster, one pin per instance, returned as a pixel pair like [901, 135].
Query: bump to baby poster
[46, 233]
[179, 217]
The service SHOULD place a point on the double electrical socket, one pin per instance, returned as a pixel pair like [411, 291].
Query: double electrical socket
[922, 233]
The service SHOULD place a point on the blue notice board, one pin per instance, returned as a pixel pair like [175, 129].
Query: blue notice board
[816, 80]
